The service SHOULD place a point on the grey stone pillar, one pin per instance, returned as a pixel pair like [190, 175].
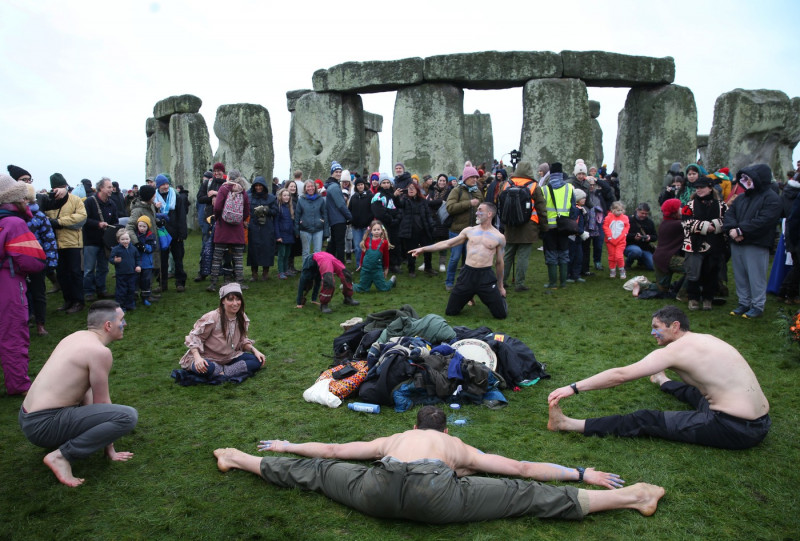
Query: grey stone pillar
[325, 127]
[478, 138]
[373, 125]
[597, 134]
[702, 149]
[657, 126]
[245, 140]
[428, 129]
[158, 152]
[556, 125]
[753, 126]
[191, 154]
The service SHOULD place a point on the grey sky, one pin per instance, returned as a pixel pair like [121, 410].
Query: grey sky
[80, 78]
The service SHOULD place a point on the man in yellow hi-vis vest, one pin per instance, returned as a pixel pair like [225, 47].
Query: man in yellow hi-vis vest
[559, 199]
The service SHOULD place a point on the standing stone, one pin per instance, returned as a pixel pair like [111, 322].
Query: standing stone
[702, 149]
[373, 125]
[478, 139]
[293, 95]
[597, 143]
[556, 126]
[428, 129]
[191, 154]
[325, 127]
[657, 126]
[245, 139]
[752, 126]
[158, 158]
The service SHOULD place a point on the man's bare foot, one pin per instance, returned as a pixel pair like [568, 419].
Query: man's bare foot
[635, 290]
[226, 458]
[556, 418]
[660, 378]
[647, 498]
[62, 468]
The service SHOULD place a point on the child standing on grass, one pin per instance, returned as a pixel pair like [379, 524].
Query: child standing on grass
[579, 214]
[145, 244]
[374, 262]
[126, 259]
[284, 233]
[615, 227]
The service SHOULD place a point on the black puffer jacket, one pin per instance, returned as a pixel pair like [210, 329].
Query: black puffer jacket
[756, 212]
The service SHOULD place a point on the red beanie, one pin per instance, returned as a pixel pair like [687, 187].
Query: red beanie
[670, 206]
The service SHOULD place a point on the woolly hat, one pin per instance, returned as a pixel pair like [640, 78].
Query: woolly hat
[468, 172]
[580, 167]
[384, 176]
[161, 180]
[335, 165]
[724, 170]
[146, 220]
[579, 194]
[17, 172]
[670, 206]
[12, 191]
[208, 174]
[57, 180]
[359, 180]
[227, 289]
[556, 167]
[31, 195]
[146, 193]
[219, 166]
[87, 184]
[375, 176]
[415, 177]
[346, 177]
[401, 164]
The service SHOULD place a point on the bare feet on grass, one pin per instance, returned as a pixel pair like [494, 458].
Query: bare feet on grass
[647, 496]
[61, 468]
[228, 458]
[660, 378]
[636, 288]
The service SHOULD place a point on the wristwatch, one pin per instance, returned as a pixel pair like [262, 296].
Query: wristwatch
[574, 387]
[580, 474]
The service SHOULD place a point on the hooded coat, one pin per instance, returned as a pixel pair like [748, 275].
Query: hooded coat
[756, 212]
[261, 229]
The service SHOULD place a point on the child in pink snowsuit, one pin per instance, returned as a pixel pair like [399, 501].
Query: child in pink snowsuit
[615, 227]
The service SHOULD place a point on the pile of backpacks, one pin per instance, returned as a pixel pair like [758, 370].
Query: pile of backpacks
[396, 358]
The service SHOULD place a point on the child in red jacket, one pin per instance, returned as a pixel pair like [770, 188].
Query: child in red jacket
[615, 227]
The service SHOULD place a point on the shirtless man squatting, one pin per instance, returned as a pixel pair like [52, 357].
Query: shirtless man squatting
[68, 405]
[730, 409]
[424, 475]
[484, 243]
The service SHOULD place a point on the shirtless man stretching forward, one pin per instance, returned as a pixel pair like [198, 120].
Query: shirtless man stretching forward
[419, 476]
[69, 407]
[731, 411]
[484, 243]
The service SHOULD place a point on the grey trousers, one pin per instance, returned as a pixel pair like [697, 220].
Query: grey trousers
[517, 255]
[78, 431]
[750, 271]
[426, 491]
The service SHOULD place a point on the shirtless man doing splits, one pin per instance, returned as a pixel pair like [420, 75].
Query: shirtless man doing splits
[484, 243]
[420, 476]
[731, 411]
[69, 407]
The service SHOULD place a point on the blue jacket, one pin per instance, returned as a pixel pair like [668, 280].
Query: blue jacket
[130, 258]
[40, 226]
[145, 245]
[310, 215]
[284, 225]
[338, 213]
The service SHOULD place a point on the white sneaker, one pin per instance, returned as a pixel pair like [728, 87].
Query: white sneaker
[613, 273]
[421, 267]
[442, 268]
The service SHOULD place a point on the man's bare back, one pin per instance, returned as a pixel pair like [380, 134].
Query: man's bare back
[65, 377]
[416, 444]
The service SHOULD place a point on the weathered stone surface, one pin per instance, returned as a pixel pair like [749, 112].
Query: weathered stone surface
[702, 149]
[597, 143]
[428, 129]
[372, 153]
[173, 105]
[478, 138]
[594, 108]
[792, 137]
[492, 69]
[373, 122]
[657, 126]
[749, 127]
[599, 68]
[293, 95]
[372, 76]
[244, 131]
[327, 127]
[191, 154]
[556, 126]
[158, 158]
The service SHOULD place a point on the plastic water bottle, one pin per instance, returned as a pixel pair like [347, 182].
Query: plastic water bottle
[365, 407]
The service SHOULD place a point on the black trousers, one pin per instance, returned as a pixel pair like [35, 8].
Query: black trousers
[481, 282]
[336, 242]
[70, 276]
[703, 426]
[177, 249]
[37, 296]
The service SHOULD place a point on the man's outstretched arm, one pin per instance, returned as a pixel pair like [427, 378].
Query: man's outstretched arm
[357, 450]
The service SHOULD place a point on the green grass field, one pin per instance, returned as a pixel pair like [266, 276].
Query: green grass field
[172, 489]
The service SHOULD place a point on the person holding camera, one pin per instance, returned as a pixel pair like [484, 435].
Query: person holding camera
[674, 190]
[641, 235]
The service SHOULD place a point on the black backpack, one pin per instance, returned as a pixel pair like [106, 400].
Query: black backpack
[515, 205]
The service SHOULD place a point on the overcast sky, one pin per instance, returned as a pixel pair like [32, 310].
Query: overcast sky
[80, 78]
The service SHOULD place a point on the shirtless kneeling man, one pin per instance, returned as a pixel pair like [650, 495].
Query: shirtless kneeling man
[68, 405]
[730, 409]
[425, 475]
[484, 244]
